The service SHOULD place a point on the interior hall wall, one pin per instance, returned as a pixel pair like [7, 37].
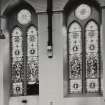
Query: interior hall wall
[50, 70]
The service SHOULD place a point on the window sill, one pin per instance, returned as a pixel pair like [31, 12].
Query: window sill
[83, 95]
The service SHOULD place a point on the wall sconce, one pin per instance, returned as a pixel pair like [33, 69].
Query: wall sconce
[50, 51]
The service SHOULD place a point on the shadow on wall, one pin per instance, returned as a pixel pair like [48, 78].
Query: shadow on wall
[5, 62]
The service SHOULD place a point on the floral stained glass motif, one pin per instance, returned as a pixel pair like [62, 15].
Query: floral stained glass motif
[17, 61]
[92, 57]
[75, 58]
[32, 53]
[75, 66]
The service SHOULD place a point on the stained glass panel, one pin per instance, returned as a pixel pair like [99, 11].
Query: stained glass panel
[92, 85]
[17, 61]
[75, 58]
[75, 86]
[17, 73]
[75, 67]
[92, 57]
[92, 66]
[32, 53]
[17, 88]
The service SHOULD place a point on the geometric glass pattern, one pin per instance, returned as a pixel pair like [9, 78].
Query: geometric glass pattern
[75, 58]
[92, 57]
[32, 56]
[83, 11]
[17, 61]
[24, 16]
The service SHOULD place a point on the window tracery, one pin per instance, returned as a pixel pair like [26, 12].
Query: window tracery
[83, 53]
[24, 54]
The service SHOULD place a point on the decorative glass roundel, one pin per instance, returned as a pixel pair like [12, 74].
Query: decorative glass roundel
[24, 16]
[83, 11]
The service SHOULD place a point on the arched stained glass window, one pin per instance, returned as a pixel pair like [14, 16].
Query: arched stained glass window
[82, 70]
[23, 50]
[32, 61]
[92, 57]
[32, 54]
[75, 58]
[17, 62]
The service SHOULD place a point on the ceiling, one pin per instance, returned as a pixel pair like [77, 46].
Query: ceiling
[40, 5]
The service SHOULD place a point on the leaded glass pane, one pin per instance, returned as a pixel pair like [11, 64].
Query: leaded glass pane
[92, 66]
[75, 86]
[75, 67]
[17, 61]
[32, 56]
[17, 88]
[75, 58]
[17, 73]
[92, 57]
[92, 85]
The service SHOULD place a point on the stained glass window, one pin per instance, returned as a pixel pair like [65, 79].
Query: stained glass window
[84, 76]
[82, 53]
[17, 62]
[92, 57]
[32, 54]
[22, 69]
[75, 58]
[32, 61]
[24, 55]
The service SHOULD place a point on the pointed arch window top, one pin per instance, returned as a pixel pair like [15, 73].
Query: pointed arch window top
[32, 31]
[17, 32]
[75, 27]
[91, 26]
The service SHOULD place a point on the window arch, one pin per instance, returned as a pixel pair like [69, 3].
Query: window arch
[17, 61]
[83, 63]
[32, 55]
[92, 56]
[24, 58]
[75, 58]
[32, 60]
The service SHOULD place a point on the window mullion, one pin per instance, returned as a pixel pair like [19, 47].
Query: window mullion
[100, 61]
[83, 62]
[25, 62]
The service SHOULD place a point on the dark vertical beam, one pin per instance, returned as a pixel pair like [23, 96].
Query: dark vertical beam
[100, 51]
[0, 14]
[50, 42]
